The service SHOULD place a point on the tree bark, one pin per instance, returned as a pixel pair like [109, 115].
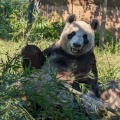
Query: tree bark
[30, 11]
[103, 22]
[72, 5]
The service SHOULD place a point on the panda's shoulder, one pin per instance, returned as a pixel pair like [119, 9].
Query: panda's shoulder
[53, 49]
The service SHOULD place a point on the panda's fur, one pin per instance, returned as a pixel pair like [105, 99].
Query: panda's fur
[70, 59]
[73, 55]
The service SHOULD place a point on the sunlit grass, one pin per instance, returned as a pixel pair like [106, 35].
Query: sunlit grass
[108, 64]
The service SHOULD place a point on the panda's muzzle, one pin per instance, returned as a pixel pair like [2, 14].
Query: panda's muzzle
[76, 45]
[76, 48]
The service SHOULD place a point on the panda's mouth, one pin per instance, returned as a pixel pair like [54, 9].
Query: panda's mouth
[75, 50]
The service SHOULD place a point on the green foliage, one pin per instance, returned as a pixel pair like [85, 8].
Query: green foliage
[108, 63]
[42, 28]
[26, 103]
[13, 15]
[14, 26]
[109, 38]
[97, 37]
[10, 105]
[18, 102]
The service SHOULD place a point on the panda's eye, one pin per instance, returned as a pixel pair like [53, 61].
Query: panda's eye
[85, 36]
[71, 34]
[85, 39]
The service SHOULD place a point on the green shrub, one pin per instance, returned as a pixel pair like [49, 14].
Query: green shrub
[12, 14]
[44, 29]
[97, 37]
[14, 26]
[36, 104]
[108, 39]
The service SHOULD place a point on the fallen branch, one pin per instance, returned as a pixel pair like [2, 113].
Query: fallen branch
[95, 104]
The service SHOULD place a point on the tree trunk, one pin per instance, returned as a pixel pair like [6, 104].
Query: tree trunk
[103, 22]
[72, 5]
[30, 10]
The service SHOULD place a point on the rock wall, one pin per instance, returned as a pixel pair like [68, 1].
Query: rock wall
[84, 10]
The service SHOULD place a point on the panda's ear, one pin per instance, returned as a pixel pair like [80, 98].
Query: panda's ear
[70, 18]
[94, 24]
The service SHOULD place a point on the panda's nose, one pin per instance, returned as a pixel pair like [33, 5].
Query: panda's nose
[76, 45]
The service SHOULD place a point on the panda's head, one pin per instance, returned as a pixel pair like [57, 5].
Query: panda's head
[77, 37]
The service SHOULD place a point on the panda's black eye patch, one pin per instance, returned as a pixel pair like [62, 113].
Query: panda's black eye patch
[71, 34]
[85, 36]
[85, 39]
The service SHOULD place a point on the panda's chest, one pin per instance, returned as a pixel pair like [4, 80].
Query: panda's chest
[72, 64]
[69, 68]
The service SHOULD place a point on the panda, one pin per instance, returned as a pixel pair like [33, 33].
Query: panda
[73, 55]
[70, 59]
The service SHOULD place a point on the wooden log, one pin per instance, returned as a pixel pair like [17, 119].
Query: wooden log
[96, 104]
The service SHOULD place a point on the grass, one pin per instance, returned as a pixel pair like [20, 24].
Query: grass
[108, 63]
[27, 104]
